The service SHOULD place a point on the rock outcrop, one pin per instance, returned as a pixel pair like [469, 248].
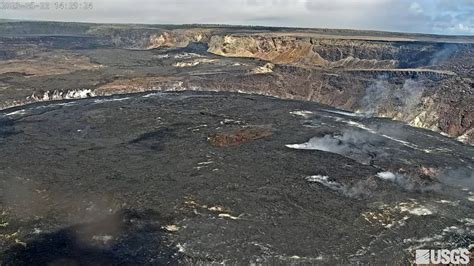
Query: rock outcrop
[177, 38]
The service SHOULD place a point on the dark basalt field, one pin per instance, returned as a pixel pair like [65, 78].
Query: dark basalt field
[201, 177]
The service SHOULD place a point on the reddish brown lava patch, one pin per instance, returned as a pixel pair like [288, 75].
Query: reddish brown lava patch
[238, 137]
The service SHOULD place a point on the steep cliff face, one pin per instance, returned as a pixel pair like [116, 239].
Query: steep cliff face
[326, 52]
[285, 50]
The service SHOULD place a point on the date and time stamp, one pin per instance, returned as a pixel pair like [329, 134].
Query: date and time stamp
[46, 5]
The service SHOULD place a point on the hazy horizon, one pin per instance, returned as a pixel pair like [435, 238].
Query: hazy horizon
[430, 17]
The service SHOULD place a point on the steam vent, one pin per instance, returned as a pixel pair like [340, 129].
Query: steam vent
[152, 145]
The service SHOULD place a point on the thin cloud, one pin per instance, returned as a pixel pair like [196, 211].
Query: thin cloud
[426, 16]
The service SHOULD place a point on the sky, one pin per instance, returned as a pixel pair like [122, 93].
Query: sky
[423, 16]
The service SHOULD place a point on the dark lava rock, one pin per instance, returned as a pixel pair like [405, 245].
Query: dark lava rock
[135, 180]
